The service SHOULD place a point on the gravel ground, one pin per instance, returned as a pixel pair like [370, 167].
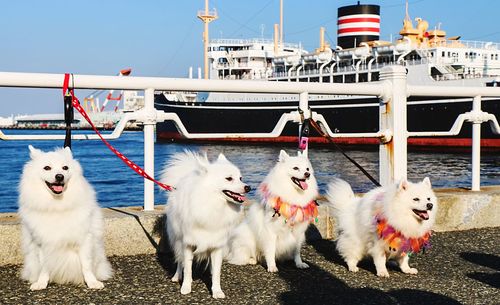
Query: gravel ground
[461, 268]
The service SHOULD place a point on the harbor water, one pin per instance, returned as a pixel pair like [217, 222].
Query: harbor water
[117, 185]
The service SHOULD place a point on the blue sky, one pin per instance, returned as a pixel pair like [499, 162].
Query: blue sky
[163, 38]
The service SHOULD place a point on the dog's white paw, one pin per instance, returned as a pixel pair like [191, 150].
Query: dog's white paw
[95, 284]
[272, 269]
[410, 271]
[383, 273]
[38, 286]
[353, 268]
[252, 261]
[352, 265]
[218, 294]
[175, 278]
[186, 288]
[302, 265]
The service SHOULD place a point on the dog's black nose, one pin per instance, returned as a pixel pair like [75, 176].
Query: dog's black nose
[59, 177]
[307, 174]
[429, 206]
[247, 188]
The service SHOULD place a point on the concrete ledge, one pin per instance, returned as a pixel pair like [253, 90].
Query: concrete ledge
[130, 231]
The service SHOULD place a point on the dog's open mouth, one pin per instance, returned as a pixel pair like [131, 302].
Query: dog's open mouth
[300, 183]
[422, 214]
[56, 187]
[237, 197]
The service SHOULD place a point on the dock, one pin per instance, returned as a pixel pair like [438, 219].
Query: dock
[462, 267]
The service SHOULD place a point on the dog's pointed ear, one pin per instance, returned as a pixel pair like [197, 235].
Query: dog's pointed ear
[34, 152]
[427, 182]
[203, 163]
[403, 184]
[283, 156]
[221, 157]
[67, 152]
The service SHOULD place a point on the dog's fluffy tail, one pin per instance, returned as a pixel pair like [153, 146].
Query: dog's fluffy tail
[341, 199]
[182, 165]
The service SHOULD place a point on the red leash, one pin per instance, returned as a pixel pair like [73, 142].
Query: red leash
[132, 165]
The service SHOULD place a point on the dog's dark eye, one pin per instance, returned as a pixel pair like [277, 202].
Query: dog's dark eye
[429, 199]
[296, 168]
[241, 178]
[307, 169]
[229, 178]
[416, 199]
[65, 168]
[47, 168]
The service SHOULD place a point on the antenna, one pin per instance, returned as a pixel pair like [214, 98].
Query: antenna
[262, 27]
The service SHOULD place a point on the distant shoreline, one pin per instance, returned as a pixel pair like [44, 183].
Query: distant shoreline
[63, 128]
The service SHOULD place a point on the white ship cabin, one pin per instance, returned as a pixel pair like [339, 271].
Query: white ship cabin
[246, 58]
[428, 55]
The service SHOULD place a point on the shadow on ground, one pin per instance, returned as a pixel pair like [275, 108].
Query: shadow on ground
[486, 260]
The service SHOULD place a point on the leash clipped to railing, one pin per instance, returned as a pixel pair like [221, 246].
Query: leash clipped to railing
[304, 131]
[304, 135]
[67, 91]
[69, 116]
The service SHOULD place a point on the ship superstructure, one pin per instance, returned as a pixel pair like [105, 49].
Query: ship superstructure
[429, 56]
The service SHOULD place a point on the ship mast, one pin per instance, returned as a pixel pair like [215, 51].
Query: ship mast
[206, 17]
[281, 23]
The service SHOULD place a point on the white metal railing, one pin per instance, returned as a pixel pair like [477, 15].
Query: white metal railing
[392, 90]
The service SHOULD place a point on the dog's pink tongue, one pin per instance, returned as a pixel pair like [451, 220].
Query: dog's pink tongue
[241, 198]
[423, 215]
[57, 188]
[303, 185]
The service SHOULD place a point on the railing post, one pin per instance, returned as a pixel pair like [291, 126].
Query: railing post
[149, 150]
[393, 154]
[476, 146]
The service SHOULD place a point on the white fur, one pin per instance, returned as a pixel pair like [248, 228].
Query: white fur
[199, 215]
[261, 234]
[61, 234]
[356, 227]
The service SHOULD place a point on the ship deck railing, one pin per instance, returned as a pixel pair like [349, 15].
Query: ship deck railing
[469, 44]
[392, 90]
[229, 42]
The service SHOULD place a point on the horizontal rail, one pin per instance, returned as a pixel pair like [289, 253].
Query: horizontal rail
[117, 132]
[47, 80]
[452, 91]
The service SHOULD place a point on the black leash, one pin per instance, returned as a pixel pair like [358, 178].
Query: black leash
[318, 128]
[69, 116]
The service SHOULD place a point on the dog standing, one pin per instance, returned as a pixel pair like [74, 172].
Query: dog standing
[386, 223]
[62, 224]
[275, 228]
[201, 211]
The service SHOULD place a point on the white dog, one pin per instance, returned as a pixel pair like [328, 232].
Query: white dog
[387, 223]
[275, 228]
[62, 225]
[201, 211]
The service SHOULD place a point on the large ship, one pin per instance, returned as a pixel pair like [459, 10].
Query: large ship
[429, 56]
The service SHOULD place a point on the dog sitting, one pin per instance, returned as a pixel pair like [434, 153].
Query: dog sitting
[62, 224]
[275, 228]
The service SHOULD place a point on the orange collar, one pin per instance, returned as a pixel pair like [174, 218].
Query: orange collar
[292, 213]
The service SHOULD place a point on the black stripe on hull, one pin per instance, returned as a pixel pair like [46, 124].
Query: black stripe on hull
[263, 117]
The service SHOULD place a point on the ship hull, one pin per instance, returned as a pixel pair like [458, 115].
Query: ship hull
[343, 116]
